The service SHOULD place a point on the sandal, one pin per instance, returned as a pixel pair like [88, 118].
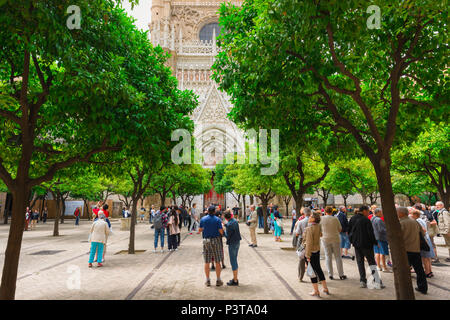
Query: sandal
[430, 275]
[314, 294]
[326, 291]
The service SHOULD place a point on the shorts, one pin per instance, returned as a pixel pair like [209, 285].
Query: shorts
[212, 250]
[383, 249]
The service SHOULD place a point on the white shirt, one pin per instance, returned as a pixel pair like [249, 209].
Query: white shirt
[294, 214]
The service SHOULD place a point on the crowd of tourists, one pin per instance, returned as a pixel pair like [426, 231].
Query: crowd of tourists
[328, 229]
[333, 232]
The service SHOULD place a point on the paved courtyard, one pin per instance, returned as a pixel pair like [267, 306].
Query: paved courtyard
[267, 272]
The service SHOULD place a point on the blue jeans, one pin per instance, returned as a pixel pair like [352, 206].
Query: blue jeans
[293, 224]
[233, 250]
[260, 222]
[77, 220]
[345, 242]
[159, 233]
[94, 247]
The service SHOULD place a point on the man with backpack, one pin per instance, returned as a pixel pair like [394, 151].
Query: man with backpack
[160, 224]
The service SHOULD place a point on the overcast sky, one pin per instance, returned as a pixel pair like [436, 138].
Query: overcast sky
[142, 13]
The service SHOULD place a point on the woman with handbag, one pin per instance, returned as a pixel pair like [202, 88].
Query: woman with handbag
[311, 243]
[426, 255]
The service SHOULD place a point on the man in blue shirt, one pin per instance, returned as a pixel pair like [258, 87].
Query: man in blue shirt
[212, 229]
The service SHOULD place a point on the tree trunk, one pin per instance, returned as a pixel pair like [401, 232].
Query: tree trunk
[6, 209]
[63, 208]
[252, 199]
[345, 200]
[12, 253]
[402, 275]
[163, 198]
[58, 213]
[265, 202]
[445, 197]
[298, 198]
[132, 226]
[244, 212]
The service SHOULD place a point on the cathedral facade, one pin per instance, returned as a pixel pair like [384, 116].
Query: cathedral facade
[188, 31]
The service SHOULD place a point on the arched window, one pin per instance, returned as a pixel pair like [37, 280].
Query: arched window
[206, 33]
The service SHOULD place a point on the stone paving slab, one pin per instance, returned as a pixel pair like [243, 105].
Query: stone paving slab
[266, 273]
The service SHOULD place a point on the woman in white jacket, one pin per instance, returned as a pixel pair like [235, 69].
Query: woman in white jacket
[98, 237]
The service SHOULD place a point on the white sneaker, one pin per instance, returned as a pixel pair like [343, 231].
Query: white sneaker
[176, 249]
[154, 251]
[162, 250]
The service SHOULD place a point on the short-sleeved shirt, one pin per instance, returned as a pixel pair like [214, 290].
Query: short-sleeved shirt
[211, 225]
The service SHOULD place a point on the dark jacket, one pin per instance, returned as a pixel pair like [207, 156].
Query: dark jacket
[361, 232]
[342, 216]
[259, 211]
[232, 234]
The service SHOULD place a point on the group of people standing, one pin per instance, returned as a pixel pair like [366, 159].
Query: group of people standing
[366, 231]
[32, 218]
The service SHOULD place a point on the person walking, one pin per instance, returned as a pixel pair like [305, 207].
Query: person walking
[443, 218]
[311, 242]
[98, 238]
[174, 229]
[28, 214]
[381, 250]
[233, 236]
[159, 224]
[331, 243]
[299, 232]
[252, 223]
[411, 231]
[363, 239]
[212, 230]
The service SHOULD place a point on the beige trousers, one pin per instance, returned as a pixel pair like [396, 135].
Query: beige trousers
[253, 235]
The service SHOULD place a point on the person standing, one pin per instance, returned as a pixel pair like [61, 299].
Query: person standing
[277, 223]
[160, 223]
[259, 211]
[77, 216]
[411, 236]
[28, 214]
[311, 242]
[236, 210]
[152, 214]
[443, 218]
[180, 215]
[382, 249]
[331, 228]
[345, 242]
[98, 237]
[44, 215]
[234, 238]
[174, 229]
[294, 220]
[212, 230]
[425, 254]
[299, 232]
[363, 239]
[252, 223]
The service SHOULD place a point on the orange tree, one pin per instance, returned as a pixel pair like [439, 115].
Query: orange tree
[362, 81]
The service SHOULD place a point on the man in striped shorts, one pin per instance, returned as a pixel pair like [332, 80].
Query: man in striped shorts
[212, 229]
